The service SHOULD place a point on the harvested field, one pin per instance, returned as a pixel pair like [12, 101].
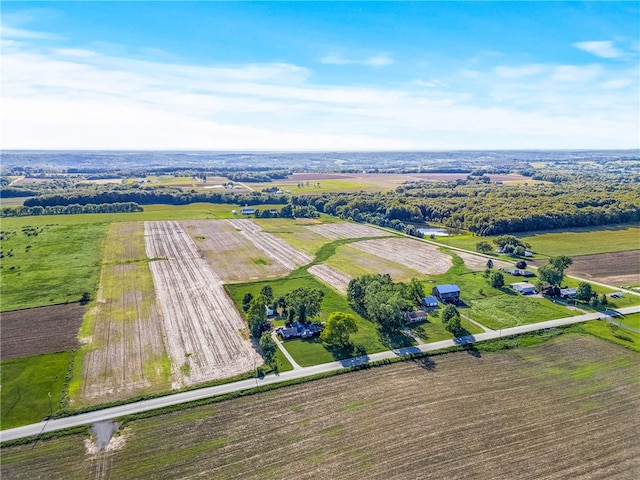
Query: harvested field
[336, 231]
[124, 353]
[566, 409]
[354, 263]
[231, 255]
[332, 277]
[477, 262]
[421, 256]
[40, 330]
[620, 268]
[275, 248]
[295, 233]
[204, 332]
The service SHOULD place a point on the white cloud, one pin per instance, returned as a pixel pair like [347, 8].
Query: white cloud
[603, 49]
[380, 60]
[66, 99]
[517, 72]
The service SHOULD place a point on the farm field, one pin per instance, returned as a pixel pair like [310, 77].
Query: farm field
[421, 256]
[47, 263]
[231, 255]
[478, 263]
[40, 330]
[26, 384]
[332, 277]
[205, 336]
[294, 232]
[275, 248]
[124, 353]
[369, 182]
[616, 269]
[354, 263]
[336, 231]
[586, 241]
[565, 409]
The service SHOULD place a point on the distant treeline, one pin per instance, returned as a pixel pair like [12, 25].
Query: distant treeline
[24, 211]
[153, 195]
[487, 209]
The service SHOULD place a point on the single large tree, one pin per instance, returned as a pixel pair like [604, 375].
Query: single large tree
[267, 293]
[268, 347]
[584, 292]
[484, 247]
[561, 262]
[497, 280]
[451, 319]
[338, 328]
[550, 274]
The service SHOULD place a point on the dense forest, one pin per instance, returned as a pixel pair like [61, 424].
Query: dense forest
[487, 209]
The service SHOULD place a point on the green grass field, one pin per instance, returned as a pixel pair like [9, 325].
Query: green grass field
[56, 266]
[571, 242]
[26, 384]
[621, 336]
[328, 185]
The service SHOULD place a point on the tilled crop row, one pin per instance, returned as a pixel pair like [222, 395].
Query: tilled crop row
[336, 231]
[332, 277]
[420, 256]
[203, 328]
[274, 247]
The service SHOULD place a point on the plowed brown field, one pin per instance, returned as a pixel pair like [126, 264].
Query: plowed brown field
[335, 231]
[564, 410]
[204, 331]
[617, 269]
[421, 256]
[331, 276]
[275, 248]
[231, 255]
[40, 330]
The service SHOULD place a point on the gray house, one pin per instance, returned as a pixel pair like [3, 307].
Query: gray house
[449, 293]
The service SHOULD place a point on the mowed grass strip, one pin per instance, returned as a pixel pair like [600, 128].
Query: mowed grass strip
[549, 408]
[295, 233]
[26, 385]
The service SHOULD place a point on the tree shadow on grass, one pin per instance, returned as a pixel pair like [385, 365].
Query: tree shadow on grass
[395, 339]
[623, 337]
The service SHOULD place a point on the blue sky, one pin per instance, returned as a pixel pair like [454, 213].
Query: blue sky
[320, 75]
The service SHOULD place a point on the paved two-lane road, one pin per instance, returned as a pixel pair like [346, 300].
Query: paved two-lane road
[178, 398]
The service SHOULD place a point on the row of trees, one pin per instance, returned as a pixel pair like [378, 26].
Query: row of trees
[487, 209]
[118, 207]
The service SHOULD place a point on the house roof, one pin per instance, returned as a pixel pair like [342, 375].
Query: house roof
[523, 286]
[568, 291]
[429, 300]
[448, 288]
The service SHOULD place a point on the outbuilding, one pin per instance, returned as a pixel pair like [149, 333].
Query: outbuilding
[429, 302]
[525, 288]
[448, 293]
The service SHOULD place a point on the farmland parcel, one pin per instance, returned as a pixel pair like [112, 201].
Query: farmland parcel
[566, 409]
[205, 336]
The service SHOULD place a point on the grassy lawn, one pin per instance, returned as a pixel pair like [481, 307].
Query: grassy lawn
[367, 336]
[56, 266]
[493, 307]
[26, 383]
[632, 320]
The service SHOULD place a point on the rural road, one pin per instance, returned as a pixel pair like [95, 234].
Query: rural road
[178, 398]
